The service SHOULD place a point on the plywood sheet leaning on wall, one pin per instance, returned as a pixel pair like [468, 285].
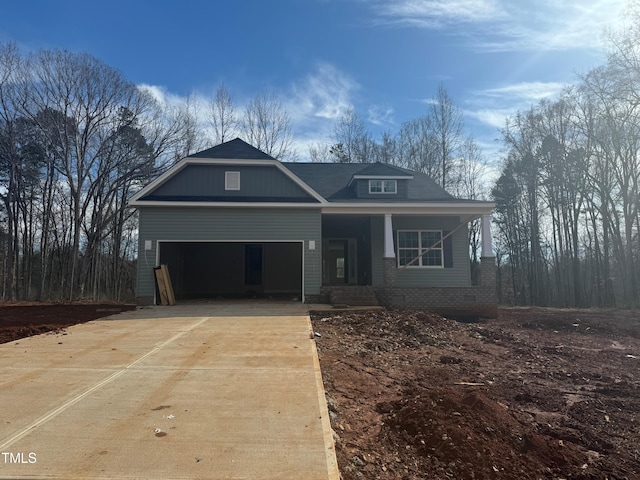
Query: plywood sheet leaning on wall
[163, 283]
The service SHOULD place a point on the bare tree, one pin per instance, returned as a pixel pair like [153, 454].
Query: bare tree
[447, 123]
[417, 147]
[76, 140]
[470, 183]
[352, 143]
[387, 149]
[222, 118]
[266, 125]
[320, 152]
[10, 63]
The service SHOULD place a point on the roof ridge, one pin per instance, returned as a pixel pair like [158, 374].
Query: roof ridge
[236, 149]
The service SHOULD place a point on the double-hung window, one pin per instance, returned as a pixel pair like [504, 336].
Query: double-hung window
[383, 186]
[425, 246]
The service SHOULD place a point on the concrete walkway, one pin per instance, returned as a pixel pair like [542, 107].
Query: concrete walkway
[196, 391]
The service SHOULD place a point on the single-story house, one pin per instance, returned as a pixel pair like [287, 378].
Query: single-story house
[232, 221]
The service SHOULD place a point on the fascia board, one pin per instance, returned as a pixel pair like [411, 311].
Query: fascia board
[177, 204]
[448, 208]
[384, 177]
[439, 208]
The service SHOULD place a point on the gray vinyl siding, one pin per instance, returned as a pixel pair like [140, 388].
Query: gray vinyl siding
[208, 180]
[362, 190]
[377, 250]
[458, 275]
[230, 224]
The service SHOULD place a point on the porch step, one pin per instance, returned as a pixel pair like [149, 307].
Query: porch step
[352, 295]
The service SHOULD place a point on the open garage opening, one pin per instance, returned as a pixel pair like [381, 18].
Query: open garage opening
[233, 270]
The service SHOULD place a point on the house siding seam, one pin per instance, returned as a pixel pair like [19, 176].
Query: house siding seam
[219, 224]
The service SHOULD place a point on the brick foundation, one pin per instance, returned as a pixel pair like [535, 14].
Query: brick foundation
[315, 299]
[454, 301]
[469, 301]
[477, 300]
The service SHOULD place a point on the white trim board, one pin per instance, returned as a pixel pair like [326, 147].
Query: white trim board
[372, 208]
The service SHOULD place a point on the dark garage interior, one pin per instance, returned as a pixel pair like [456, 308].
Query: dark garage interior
[218, 270]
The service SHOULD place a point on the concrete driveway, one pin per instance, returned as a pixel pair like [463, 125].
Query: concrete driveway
[192, 391]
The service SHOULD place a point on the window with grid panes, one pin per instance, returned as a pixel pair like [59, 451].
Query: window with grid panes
[424, 244]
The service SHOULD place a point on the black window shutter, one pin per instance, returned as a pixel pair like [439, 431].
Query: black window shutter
[395, 247]
[447, 248]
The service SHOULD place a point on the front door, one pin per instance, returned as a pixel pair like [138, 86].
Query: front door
[339, 261]
[336, 262]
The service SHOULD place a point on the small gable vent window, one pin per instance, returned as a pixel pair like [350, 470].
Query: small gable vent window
[232, 180]
[383, 186]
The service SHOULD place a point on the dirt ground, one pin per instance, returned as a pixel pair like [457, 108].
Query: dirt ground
[534, 394]
[23, 319]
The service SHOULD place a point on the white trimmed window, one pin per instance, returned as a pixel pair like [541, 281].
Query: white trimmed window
[427, 244]
[232, 180]
[383, 186]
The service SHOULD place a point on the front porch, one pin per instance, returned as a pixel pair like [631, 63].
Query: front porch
[406, 260]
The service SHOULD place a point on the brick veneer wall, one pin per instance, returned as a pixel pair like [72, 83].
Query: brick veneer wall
[474, 300]
[316, 298]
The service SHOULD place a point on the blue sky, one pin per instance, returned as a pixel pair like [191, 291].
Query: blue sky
[383, 58]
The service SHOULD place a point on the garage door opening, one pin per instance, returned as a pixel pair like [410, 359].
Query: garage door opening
[221, 270]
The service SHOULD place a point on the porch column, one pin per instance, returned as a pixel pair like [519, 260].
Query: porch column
[388, 237]
[487, 249]
[389, 258]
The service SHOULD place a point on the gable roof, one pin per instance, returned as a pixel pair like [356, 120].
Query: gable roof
[382, 169]
[233, 149]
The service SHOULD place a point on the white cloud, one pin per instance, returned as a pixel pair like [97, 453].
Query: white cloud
[161, 95]
[439, 13]
[524, 91]
[324, 93]
[492, 106]
[380, 115]
[494, 117]
[314, 102]
[505, 25]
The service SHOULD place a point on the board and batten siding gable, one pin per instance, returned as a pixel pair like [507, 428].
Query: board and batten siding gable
[458, 275]
[209, 181]
[228, 224]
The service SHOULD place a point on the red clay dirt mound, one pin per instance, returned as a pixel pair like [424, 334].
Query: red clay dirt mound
[534, 394]
[25, 319]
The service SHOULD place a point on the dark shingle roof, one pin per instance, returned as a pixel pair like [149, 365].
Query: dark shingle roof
[377, 169]
[331, 179]
[233, 149]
